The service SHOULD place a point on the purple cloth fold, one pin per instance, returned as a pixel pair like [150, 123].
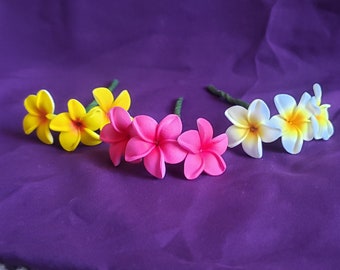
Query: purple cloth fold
[64, 211]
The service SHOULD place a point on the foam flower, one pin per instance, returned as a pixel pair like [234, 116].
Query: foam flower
[204, 151]
[251, 127]
[77, 126]
[117, 133]
[155, 143]
[106, 102]
[40, 108]
[294, 121]
[322, 127]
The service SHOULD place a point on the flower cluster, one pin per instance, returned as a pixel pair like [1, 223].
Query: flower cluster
[143, 139]
[75, 126]
[295, 123]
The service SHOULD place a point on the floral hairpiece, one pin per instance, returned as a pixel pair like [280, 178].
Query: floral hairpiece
[77, 125]
[295, 123]
[141, 138]
[137, 139]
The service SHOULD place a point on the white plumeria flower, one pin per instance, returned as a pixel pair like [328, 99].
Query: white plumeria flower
[322, 127]
[294, 121]
[251, 127]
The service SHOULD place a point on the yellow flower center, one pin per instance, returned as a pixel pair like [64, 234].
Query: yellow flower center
[322, 118]
[297, 121]
[43, 116]
[78, 124]
[253, 129]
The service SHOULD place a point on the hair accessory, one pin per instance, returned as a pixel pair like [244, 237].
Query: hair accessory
[40, 108]
[203, 151]
[143, 139]
[251, 127]
[295, 123]
[78, 124]
[322, 127]
[138, 139]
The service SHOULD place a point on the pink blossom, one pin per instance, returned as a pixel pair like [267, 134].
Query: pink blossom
[117, 133]
[204, 151]
[155, 143]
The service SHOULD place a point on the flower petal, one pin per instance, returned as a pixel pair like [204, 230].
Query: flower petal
[315, 128]
[104, 98]
[258, 112]
[193, 166]
[329, 131]
[137, 148]
[190, 141]
[219, 144]
[173, 152]
[292, 142]
[154, 163]
[103, 117]
[213, 163]
[268, 133]
[116, 152]
[76, 109]
[309, 133]
[44, 133]
[30, 123]
[285, 104]
[304, 104]
[69, 140]
[109, 135]
[62, 122]
[92, 120]
[277, 122]
[45, 102]
[317, 93]
[89, 137]
[238, 116]
[170, 127]
[123, 100]
[205, 131]
[313, 107]
[30, 104]
[120, 119]
[252, 145]
[144, 127]
[236, 135]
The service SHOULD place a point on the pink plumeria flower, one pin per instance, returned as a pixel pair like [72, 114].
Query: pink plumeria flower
[155, 143]
[117, 133]
[204, 151]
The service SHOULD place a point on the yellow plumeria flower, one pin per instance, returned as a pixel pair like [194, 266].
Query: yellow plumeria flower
[40, 109]
[251, 127]
[77, 126]
[106, 102]
[322, 127]
[294, 121]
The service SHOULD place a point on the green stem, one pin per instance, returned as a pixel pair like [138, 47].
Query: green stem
[178, 106]
[112, 87]
[226, 97]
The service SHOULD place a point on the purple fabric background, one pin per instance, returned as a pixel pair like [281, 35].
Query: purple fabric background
[64, 211]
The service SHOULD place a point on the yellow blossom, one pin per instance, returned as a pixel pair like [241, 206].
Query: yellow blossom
[40, 108]
[77, 126]
[106, 102]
